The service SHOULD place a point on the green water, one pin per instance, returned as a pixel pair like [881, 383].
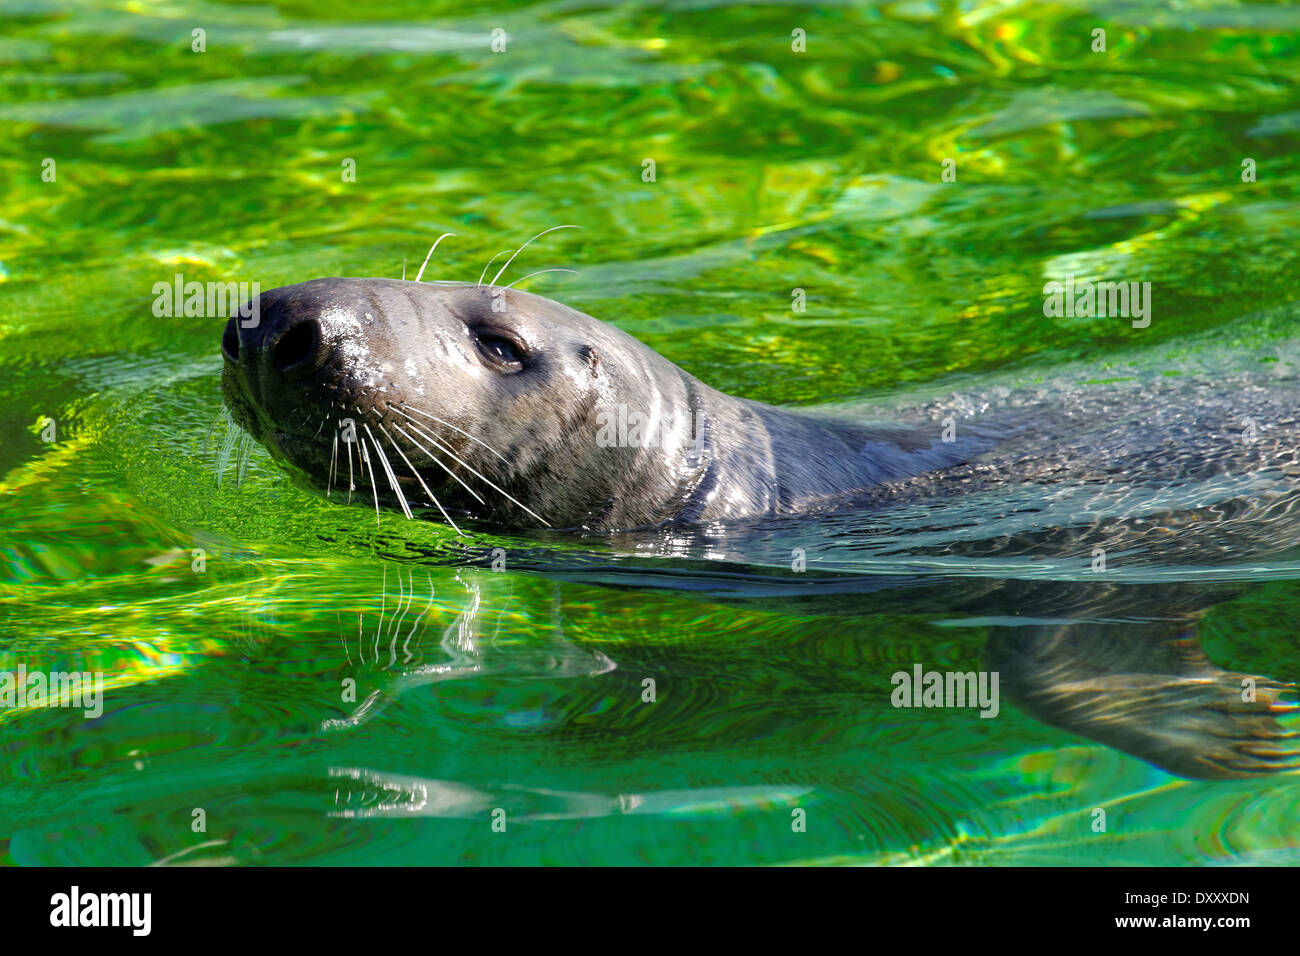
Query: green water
[521, 690]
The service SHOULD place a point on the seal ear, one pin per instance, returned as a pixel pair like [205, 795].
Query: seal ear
[589, 356]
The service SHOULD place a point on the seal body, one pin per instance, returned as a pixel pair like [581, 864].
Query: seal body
[515, 409]
[520, 411]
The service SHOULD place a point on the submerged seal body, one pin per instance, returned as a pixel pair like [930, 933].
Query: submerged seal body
[509, 407]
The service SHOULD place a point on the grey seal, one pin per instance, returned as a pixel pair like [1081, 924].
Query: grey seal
[506, 407]
[511, 408]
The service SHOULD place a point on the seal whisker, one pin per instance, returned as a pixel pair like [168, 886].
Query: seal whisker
[450, 425]
[232, 438]
[430, 255]
[435, 460]
[489, 265]
[537, 273]
[388, 471]
[222, 416]
[406, 644]
[245, 455]
[525, 246]
[334, 462]
[420, 479]
[352, 484]
[365, 455]
[471, 470]
[397, 621]
[344, 643]
[383, 607]
[419, 641]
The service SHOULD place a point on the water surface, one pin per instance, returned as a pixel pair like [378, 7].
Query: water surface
[522, 689]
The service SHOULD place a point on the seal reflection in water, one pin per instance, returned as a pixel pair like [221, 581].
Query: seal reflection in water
[478, 401]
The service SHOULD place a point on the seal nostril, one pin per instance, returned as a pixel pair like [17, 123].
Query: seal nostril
[296, 347]
[230, 341]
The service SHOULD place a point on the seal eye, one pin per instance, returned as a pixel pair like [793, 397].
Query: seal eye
[501, 351]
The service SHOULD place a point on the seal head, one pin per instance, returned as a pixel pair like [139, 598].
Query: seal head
[515, 409]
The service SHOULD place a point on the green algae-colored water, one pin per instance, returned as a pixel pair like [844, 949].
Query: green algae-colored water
[519, 694]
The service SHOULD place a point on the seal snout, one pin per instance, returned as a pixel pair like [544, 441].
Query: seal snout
[297, 348]
[285, 369]
[284, 342]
